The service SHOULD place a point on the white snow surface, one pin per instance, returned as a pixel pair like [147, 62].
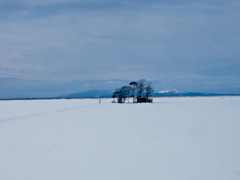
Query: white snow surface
[170, 139]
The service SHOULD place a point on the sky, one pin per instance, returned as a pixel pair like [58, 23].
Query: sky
[54, 47]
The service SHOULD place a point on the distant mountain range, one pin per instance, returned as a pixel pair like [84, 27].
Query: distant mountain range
[167, 93]
[176, 93]
[109, 93]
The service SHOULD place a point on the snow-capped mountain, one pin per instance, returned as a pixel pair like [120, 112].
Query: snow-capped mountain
[173, 91]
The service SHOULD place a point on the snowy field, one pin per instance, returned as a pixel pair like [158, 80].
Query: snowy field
[171, 139]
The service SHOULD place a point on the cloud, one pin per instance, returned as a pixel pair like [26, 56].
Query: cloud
[66, 41]
[224, 71]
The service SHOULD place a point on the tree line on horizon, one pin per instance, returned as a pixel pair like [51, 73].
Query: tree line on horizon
[139, 90]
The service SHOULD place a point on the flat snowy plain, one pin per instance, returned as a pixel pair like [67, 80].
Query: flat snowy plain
[171, 139]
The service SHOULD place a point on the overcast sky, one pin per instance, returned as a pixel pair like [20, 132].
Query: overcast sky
[53, 47]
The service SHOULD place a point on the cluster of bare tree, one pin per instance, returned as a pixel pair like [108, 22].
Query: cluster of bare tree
[139, 91]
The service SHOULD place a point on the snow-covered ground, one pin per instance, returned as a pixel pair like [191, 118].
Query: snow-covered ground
[170, 139]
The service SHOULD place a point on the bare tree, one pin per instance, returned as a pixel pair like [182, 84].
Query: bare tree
[123, 93]
[148, 89]
[118, 94]
[126, 92]
[141, 88]
[133, 89]
[141, 85]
